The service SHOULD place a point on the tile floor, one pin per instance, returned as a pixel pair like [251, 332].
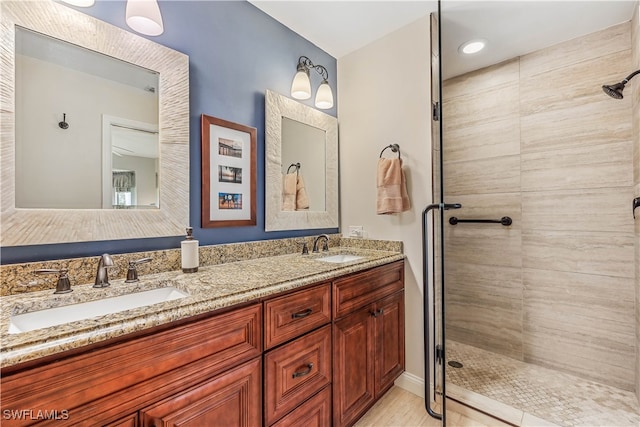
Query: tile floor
[400, 408]
[547, 394]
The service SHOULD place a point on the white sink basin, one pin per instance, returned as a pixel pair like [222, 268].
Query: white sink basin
[337, 259]
[74, 312]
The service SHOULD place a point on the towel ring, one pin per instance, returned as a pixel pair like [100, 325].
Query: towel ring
[394, 148]
[294, 165]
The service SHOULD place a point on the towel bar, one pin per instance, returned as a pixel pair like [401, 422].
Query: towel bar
[294, 165]
[505, 220]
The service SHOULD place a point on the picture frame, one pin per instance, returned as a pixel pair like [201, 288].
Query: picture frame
[228, 173]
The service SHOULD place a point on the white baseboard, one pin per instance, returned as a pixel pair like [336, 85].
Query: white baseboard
[411, 383]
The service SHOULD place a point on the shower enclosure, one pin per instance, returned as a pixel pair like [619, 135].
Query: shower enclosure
[531, 257]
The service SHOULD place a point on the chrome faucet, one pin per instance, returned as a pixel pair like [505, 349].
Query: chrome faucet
[325, 246]
[102, 277]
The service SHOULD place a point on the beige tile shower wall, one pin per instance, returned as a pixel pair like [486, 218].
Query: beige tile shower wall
[578, 270]
[481, 157]
[536, 139]
[635, 55]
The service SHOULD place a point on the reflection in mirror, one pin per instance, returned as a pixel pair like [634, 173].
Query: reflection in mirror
[65, 161]
[130, 181]
[305, 145]
[297, 133]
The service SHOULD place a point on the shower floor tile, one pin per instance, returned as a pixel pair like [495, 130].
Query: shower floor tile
[554, 396]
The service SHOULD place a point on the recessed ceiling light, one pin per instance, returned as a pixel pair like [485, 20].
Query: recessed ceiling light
[472, 46]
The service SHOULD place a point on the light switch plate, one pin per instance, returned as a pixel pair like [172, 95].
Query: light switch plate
[356, 231]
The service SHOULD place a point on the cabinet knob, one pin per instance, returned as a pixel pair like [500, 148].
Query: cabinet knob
[377, 313]
[304, 372]
[303, 313]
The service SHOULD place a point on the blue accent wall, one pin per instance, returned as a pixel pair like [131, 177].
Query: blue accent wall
[236, 52]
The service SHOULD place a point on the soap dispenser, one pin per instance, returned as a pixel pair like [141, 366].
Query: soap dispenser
[190, 258]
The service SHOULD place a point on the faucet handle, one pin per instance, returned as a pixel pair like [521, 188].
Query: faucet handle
[132, 272]
[305, 248]
[325, 246]
[64, 284]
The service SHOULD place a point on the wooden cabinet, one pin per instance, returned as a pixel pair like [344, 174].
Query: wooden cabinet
[230, 399]
[296, 313]
[315, 412]
[297, 370]
[331, 350]
[104, 384]
[368, 340]
[130, 421]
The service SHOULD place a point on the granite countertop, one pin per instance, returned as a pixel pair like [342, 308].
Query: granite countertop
[211, 288]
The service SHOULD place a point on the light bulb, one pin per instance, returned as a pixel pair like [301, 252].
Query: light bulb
[301, 85]
[143, 16]
[324, 96]
[472, 46]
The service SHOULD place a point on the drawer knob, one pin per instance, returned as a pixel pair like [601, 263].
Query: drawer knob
[301, 314]
[304, 372]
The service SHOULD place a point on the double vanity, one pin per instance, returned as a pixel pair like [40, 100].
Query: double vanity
[274, 340]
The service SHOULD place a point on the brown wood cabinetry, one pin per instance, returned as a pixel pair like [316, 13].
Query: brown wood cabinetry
[294, 314]
[315, 412]
[297, 370]
[130, 421]
[105, 384]
[368, 340]
[230, 399]
[330, 351]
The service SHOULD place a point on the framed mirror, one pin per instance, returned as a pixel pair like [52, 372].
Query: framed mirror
[150, 164]
[301, 165]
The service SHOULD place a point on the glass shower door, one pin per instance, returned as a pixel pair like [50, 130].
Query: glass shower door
[433, 259]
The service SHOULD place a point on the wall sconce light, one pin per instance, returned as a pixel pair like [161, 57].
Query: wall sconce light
[144, 17]
[301, 85]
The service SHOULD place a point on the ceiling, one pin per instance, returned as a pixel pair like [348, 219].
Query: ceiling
[512, 28]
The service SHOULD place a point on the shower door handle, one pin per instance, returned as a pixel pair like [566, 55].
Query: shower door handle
[429, 329]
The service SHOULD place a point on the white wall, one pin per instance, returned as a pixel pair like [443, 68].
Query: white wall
[50, 159]
[383, 98]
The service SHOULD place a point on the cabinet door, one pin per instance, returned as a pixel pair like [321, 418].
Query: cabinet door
[230, 399]
[353, 353]
[389, 338]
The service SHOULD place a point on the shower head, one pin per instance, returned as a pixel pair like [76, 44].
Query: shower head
[615, 90]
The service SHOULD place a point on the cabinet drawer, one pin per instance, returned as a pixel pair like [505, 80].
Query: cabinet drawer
[294, 314]
[230, 399]
[358, 290]
[296, 371]
[315, 412]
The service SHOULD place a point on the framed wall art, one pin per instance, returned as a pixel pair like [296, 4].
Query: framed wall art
[228, 173]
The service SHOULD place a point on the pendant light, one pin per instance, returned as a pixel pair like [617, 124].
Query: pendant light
[143, 16]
